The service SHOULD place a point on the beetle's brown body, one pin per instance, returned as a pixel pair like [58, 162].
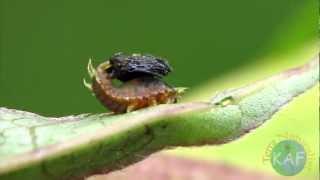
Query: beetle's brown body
[131, 95]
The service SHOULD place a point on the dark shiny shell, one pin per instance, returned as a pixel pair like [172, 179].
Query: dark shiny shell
[125, 68]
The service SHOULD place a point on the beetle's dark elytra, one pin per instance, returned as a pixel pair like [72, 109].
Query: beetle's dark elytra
[124, 67]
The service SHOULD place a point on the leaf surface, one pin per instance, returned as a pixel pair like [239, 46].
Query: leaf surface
[37, 147]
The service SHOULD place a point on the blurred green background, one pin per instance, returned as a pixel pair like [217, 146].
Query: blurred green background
[212, 45]
[45, 45]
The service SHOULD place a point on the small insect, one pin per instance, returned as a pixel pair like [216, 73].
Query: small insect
[141, 85]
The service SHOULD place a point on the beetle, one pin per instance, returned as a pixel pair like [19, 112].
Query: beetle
[141, 84]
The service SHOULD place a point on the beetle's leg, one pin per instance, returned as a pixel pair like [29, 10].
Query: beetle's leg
[180, 90]
[154, 102]
[91, 70]
[87, 85]
[171, 100]
[105, 65]
[131, 107]
[106, 114]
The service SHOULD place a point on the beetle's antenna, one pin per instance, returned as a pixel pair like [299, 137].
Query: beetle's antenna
[91, 70]
[87, 85]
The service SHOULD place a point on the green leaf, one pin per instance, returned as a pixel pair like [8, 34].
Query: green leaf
[37, 147]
